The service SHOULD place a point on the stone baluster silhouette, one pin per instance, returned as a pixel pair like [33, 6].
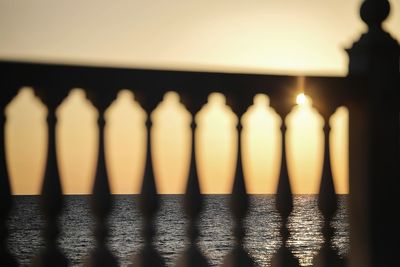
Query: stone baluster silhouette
[193, 205]
[51, 195]
[101, 201]
[327, 204]
[284, 205]
[239, 205]
[6, 258]
[149, 204]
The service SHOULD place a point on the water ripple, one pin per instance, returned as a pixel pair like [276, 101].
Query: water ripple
[262, 224]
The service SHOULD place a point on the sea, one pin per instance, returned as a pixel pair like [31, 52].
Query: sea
[216, 240]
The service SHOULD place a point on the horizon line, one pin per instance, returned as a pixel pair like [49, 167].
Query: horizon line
[166, 194]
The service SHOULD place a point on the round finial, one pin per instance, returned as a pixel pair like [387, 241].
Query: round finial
[374, 12]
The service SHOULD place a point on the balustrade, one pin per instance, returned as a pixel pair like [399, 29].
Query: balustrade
[373, 64]
[101, 198]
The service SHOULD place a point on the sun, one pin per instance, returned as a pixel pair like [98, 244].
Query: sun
[301, 99]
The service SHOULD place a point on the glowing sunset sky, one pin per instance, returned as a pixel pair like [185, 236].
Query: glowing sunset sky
[285, 36]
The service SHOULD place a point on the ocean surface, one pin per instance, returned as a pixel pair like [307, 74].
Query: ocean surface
[262, 223]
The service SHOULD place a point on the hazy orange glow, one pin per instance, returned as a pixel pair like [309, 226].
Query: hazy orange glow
[216, 145]
[261, 146]
[305, 146]
[274, 36]
[25, 141]
[171, 139]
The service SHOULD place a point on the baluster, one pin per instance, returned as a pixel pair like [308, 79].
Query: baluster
[101, 205]
[148, 205]
[193, 205]
[327, 204]
[101, 201]
[6, 258]
[284, 205]
[51, 200]
[239, 205]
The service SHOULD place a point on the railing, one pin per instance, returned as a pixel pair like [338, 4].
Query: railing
[150, 86]
[53, 82]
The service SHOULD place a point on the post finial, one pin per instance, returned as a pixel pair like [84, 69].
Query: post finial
[374, 12]
[376, 51]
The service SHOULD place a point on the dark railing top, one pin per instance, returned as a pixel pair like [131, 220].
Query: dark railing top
[149, 86]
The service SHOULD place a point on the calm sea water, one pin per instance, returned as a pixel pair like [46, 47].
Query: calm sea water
[262, 238]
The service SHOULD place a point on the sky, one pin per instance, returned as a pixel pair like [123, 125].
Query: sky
[266, 36]
[296, 37]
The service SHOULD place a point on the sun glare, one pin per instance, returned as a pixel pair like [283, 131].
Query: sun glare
[301, 99]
